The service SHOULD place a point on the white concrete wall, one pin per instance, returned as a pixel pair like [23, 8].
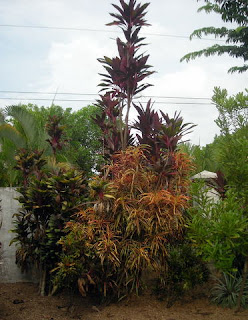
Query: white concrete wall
[9, 272]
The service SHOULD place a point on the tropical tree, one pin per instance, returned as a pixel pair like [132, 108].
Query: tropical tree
[18, 129]
[203, 157]
[84, 143]
[236, 38]
[21, 127]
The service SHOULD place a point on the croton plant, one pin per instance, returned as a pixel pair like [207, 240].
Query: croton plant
[137, 203]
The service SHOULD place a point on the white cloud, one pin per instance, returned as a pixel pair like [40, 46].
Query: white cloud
[73, 66]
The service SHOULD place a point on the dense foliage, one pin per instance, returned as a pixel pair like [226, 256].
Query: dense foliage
[137, 204]
[23, 126]
[219, 230]
[137, 212]
[82, 133]
[49, 197]
[185, 270]
[18, 129]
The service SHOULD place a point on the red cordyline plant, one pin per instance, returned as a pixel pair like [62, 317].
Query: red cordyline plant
[159, 132]
[137, 205]
[124, 75]
[56, 133]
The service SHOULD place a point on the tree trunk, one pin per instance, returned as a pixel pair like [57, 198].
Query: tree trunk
[43, 275]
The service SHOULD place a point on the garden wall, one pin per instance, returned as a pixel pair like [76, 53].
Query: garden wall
[9, 272]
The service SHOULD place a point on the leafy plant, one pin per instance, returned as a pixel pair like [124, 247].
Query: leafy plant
[137, 203]
[160, 133]
[219, 230]
[56, 133]
[124, 75]
[232, 110]
[128, 229]
[49, 199]
[18, 129]
[227, 289]
[185, 270]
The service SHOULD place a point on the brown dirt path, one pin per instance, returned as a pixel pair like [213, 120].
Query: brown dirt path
[20, 301]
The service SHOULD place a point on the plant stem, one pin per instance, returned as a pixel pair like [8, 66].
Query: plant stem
[129, 101]
[242, 286]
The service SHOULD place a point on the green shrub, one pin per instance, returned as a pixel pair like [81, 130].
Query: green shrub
[219, 230]
[185, 270]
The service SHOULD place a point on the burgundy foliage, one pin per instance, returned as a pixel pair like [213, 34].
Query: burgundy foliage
[56, 133]
[122, 81]
[124, 76]
[160, 133]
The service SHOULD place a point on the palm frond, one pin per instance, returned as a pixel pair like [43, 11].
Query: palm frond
[31, 131]
[1, 117]
[9, 132]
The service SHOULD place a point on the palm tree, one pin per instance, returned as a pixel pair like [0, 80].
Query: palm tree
[18, 129]
[23, 129]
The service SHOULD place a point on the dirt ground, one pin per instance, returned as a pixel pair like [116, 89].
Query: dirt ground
[20, 301]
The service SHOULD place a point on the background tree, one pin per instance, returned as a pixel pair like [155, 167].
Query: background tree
[84, 143]
[220, 230]
[233, 146]
[203, 157]
[18, 129]
[23, 126]
[235, 11]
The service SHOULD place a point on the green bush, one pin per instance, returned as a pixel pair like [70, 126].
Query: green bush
[185, 270]
[219, 231]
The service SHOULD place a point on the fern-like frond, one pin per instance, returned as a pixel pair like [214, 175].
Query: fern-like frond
[210, 7]
[217, 32]
[233, 51]
[238, 69]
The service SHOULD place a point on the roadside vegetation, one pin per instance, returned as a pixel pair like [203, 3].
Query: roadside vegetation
[106, 201]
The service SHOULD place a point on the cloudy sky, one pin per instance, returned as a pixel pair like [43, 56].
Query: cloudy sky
[63, 58]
